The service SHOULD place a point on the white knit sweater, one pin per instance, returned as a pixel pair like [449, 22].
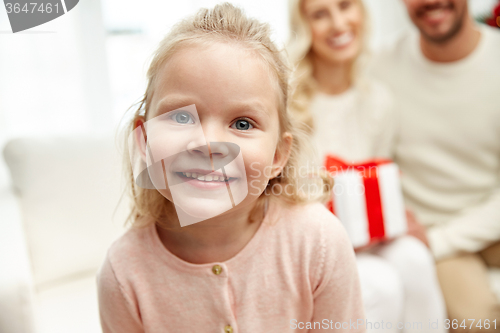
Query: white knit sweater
[449, 147]
[356, 125]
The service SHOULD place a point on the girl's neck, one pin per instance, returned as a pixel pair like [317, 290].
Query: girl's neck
[215, 240]
[332, 79]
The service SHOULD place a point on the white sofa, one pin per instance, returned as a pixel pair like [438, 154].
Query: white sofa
[58, 217]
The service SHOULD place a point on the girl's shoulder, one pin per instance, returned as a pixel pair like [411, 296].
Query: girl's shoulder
[133, 248]
[311, 223]
[132, 241]
[311, 213]
[313, 238]
[128, 263]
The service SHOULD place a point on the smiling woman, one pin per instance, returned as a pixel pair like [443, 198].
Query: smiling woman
[325, 32]
[343, 42]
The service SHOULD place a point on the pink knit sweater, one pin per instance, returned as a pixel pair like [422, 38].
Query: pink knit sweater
[297, 272]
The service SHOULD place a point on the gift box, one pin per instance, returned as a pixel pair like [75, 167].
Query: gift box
[368, 200]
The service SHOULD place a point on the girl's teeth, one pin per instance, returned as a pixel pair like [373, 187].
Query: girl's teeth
[206, 178]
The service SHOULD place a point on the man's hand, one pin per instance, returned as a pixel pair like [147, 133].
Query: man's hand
[415, 229]
[365, 247]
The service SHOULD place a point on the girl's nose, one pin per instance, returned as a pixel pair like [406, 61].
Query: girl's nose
[223, 153]
[198, 146]
[215, 139]
[219, 149]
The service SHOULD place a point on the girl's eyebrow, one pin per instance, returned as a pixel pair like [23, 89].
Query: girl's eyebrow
[171, 103]
[252, 108]
[175, 102]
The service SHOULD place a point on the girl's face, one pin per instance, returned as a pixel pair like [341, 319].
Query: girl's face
[336, 27]
[213, 119]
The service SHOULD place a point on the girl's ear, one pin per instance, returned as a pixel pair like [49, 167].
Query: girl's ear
[282, 154]
[140, 137]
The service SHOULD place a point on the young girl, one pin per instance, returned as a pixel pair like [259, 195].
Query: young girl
[271, 262]
[353, 117]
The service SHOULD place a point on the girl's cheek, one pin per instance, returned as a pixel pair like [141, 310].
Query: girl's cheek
[258, 157]
[256, 179]
[258, 170]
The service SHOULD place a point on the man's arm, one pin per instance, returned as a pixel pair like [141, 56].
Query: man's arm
[475, 230]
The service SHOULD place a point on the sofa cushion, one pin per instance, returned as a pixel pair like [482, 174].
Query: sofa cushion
[70, 307]
[69, 190]
[16, 287]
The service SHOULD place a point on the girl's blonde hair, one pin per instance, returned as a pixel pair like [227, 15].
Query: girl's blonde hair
[299, 50]
[225, 24]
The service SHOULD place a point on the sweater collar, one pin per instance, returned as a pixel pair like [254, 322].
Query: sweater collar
[452, 67]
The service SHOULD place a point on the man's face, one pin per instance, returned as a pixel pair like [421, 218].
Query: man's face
[437, 20]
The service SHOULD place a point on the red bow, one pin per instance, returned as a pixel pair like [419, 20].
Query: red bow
[494, 21]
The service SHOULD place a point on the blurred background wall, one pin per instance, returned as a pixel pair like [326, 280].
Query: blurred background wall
[80, 72]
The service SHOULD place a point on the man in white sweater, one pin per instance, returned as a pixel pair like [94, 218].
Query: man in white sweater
[446, 80]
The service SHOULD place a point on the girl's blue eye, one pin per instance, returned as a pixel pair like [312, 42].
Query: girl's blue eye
[242, 125]
[183, 118]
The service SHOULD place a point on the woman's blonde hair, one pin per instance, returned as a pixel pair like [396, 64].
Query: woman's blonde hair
[299, 50]
[225, 24]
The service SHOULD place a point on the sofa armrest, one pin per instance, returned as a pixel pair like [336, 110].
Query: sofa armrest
[16, 287]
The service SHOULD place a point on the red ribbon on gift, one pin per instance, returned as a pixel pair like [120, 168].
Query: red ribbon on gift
[368, 170]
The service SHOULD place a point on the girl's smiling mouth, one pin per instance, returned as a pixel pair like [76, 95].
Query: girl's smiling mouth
[205, 179]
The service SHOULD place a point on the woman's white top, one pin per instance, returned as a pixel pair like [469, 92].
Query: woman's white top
[356, 125]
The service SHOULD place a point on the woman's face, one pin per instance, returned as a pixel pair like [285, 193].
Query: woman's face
[336, 27]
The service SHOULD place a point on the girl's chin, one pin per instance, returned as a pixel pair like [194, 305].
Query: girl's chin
[197, 210]
[192, 210]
